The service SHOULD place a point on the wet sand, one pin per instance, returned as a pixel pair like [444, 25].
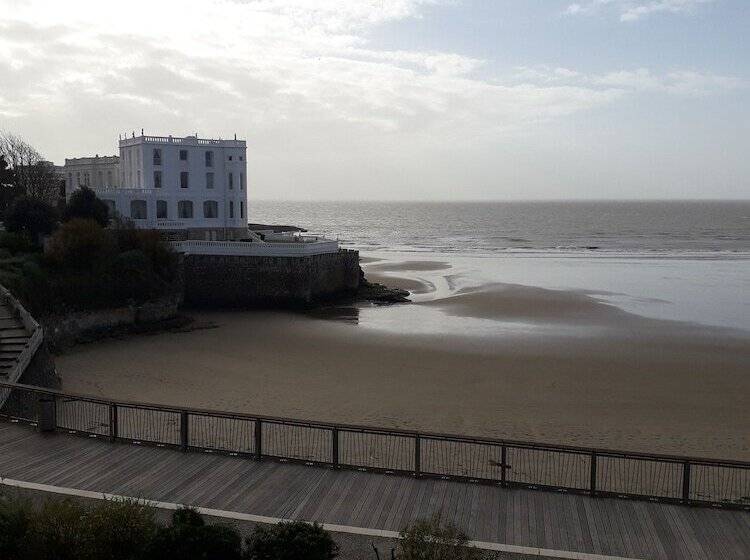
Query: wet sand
[628, 382]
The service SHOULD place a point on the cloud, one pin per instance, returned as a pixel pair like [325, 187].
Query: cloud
[633, 10]
[640, 80]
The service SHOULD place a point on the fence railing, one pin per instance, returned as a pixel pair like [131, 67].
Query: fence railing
[597, 472]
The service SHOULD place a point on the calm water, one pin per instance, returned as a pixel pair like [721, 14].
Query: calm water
[676, 228]
[684, 261]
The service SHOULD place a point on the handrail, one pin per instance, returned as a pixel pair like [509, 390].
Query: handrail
[375, 429]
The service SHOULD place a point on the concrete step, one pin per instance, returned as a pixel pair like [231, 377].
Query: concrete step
[12, 333]
[11, 323]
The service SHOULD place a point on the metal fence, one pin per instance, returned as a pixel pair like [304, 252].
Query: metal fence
[597, 472]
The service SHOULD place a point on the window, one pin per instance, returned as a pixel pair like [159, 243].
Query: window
[157, 156]
[161, 210]
[110, 206]
[209, 180]
[183, 179]
[241, 158]
[157, 179]
[183, 155]
[242, 209]
[70, 180]
[138, 209]
[231, 209]
[209, 159]
[185, 209]
[138, 174]
[78, 178]
[86, 178]
[242, 181]
[210, 209]
[101, 179]
[230, 181]
[230, 158]
[109, 178]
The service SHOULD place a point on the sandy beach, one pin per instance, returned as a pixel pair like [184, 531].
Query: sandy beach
[579, 371]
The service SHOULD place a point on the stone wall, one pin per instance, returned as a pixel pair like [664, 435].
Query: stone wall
[41, 370]
[249, 281]
[62, 331]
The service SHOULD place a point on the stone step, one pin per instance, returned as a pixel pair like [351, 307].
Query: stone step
[12, 333]
[11, 323]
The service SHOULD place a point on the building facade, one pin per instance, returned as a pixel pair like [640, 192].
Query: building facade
[191, 187]
[94, 172]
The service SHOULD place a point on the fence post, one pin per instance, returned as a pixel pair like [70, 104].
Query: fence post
[593, 473]
[258, 439]
[686, 482]
[417, 456]
[503, 465]
[113, 422]
[184, 430]
[335, 447]
[47, 414]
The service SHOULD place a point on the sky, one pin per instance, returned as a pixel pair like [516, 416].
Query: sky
[400, 99]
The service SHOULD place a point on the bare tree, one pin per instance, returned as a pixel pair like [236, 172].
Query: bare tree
[33, 176]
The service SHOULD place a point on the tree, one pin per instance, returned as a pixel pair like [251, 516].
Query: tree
[8, 188]
[32, 175]
[86, 205]
[31, 217]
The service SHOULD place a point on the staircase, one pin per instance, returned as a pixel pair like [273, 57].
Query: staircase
[14, 339]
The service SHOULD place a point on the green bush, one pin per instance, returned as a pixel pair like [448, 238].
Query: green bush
[80, 244]
[189, 538]
[16, 243]
[59, 531]
[31, 217]
[84, 204]
[432, 540]
[290, 541]
[119, 530]
[16, 521]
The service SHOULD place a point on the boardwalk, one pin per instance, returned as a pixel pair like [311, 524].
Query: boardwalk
[548, 520]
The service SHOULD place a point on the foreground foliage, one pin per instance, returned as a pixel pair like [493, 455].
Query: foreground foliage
[129, 530]
[431, 539]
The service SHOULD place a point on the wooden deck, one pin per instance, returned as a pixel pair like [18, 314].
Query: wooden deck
[555, 521]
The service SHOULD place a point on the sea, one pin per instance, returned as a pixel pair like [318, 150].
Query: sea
[678, 260]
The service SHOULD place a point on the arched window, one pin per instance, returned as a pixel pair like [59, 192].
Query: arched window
[138, 210]
[210, 209]
[185, 209]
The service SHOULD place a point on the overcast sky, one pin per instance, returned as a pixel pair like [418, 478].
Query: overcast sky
[400, 99]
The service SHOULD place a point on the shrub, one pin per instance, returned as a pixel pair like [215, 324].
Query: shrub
[85, 205]
[16, 243]
[433, 540]
[16, 520]
[59, 531]
[30, 216]
[290, 541]
[119, 530]
[80, 244]
[189, 538]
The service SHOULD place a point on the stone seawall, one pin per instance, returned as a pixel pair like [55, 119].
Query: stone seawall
[249, 281]
[62, 331]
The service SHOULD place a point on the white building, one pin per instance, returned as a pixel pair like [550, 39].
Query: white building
[93, 172]
[194, 188]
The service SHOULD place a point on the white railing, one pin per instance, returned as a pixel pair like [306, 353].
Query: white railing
[255, 249]
[187, 141]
